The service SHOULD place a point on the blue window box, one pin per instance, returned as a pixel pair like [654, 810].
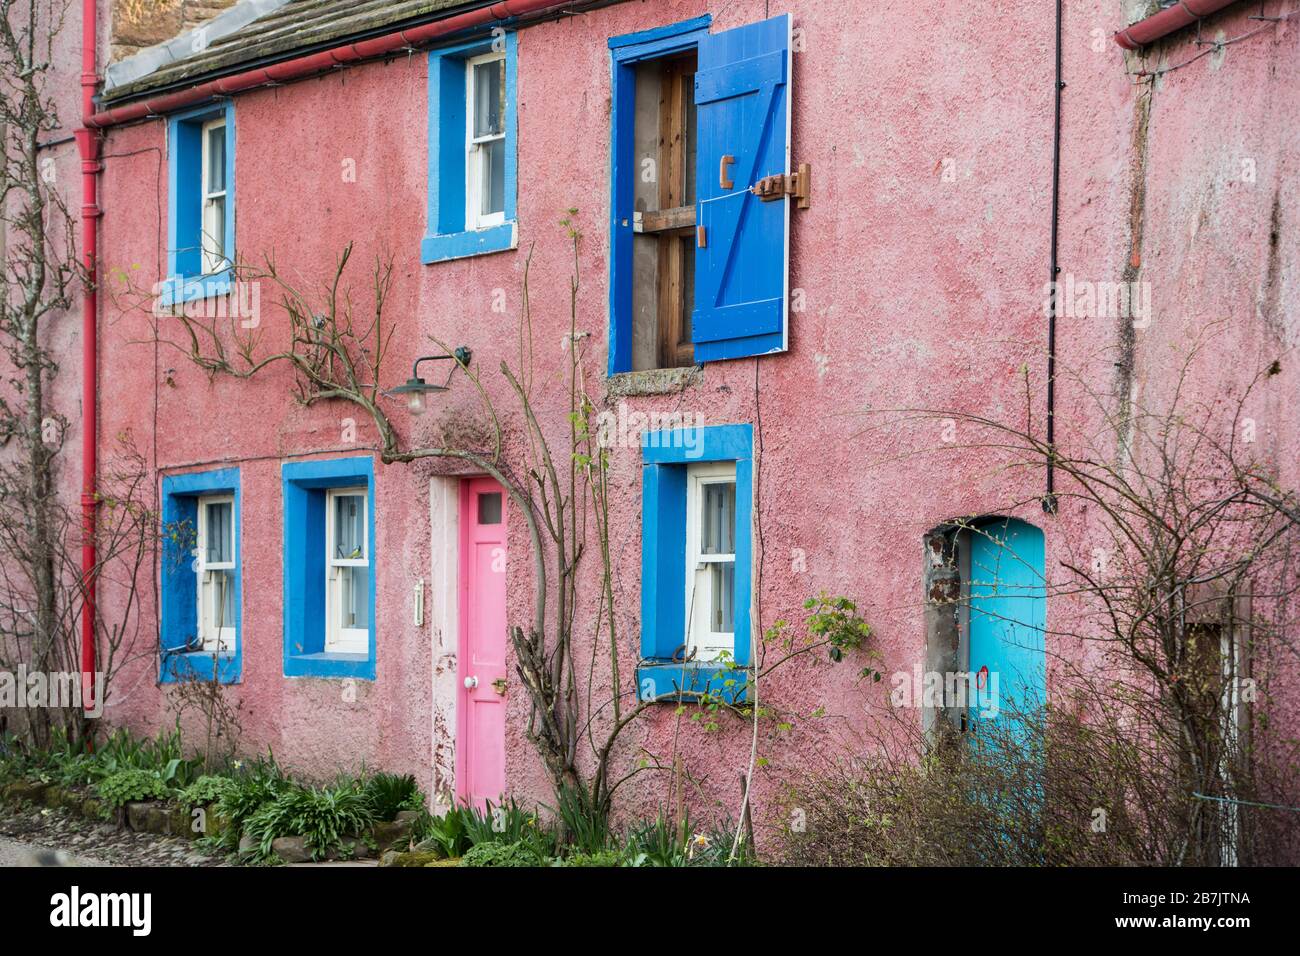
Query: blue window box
[670, 682]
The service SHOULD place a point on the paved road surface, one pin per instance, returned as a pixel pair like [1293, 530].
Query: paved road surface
[13, 853]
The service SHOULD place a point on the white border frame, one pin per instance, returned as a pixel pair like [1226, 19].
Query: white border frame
[473, 151]
[214, 640]
[210, 261]
[707, 645]
[339, 639]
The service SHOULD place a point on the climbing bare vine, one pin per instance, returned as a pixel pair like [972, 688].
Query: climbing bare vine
[42, 592]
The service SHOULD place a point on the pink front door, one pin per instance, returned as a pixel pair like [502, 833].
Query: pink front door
[480, 736]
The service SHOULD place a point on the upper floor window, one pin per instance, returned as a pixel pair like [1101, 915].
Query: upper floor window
[698, 259]
[663, 251]
[200, 204]
[486, 136]
[213, 187]
[472, 150]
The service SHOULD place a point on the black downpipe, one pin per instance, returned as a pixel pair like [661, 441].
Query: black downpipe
[1050, 499]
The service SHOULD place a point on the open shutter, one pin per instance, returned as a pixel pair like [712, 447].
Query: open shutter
[742, 97]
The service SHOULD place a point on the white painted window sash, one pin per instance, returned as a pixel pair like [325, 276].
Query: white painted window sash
[217, 635]
[476, 154]
[705, 643]
[340, 639]
[213, 240]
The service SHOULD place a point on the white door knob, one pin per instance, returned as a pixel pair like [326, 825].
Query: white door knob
[471, 683]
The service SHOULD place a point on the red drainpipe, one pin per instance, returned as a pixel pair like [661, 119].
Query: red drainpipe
[1181, 14]
[88, 147]
[314, 63]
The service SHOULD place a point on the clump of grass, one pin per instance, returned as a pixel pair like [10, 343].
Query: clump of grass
[322, 816]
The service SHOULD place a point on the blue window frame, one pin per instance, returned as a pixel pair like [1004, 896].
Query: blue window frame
[200, 203]
[187, 584]
[627, 53]
[307, 570]
[667, 459]
[472, 151]
[742, 135]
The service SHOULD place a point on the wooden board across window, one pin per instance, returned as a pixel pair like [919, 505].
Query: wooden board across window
[674, 222]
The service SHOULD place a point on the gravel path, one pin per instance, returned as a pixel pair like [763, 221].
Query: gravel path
[73, 840]
[14, 853]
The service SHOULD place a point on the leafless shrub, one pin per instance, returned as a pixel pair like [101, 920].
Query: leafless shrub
[1173, 659]
[1053, 786]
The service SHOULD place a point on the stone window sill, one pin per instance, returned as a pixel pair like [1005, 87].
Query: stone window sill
[654, 381]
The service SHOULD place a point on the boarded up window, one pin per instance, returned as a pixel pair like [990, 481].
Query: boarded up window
[664, 247]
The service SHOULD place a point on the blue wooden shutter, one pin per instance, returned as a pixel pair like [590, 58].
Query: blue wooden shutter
[742, 97]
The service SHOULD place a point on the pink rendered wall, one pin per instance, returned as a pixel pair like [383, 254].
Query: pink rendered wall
[919, 291]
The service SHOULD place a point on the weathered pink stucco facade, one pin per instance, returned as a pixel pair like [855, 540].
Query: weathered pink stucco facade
[920, 267]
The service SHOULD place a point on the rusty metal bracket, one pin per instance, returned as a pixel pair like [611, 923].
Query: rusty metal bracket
[798, 185]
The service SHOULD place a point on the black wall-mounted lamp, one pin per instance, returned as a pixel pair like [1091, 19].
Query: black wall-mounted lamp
[417, 388]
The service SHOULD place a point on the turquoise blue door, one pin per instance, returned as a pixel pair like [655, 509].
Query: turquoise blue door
[1008, 618]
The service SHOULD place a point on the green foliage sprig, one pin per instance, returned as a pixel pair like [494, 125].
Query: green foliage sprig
[131, 785]
[205, 790]
[836, 621]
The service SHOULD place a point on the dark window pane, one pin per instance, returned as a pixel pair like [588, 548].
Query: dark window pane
[219, 544]
[216, 159]
[494, 178]
[489, 508]
[489, 97]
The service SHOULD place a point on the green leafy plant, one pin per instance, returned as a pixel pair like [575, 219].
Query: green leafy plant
[502, 854]
[658, 842]
[390, 793]
[605, 858]
[323, 817]
[132, 784]
[205, 790]
[507, 822]
[15, 761]
[585, 830]
[163, 754]
[712, 847]
[447, 835]
[253, 786]
[62, 761]
[661, 842]
[75, 770]
[835, 620]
